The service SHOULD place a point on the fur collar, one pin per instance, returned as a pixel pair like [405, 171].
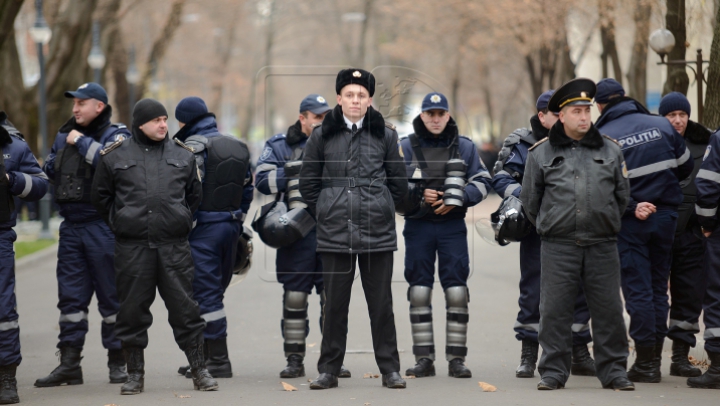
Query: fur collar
[294, 134]
[191, 127]
[334, 122]
[697, 133]
[558, 138]
[450, 132]
[95, 127]
[5, 137]
[538, 131]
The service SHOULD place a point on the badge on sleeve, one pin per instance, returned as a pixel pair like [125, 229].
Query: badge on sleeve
[266, 153]
[707, 152]
[624, 170]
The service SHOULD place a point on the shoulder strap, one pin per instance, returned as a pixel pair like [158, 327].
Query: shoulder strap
[297, 153]
[611, 139]
[180, 143]
[455, 148]
[538, 143]
[417, 151]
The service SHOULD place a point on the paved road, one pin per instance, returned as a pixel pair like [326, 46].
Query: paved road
[254, 310]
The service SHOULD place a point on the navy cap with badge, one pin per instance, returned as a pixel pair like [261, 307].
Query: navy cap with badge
[607, 89]
[542, 101]
[577, 92]
[89, 90]
[435, 101]
[315, 104]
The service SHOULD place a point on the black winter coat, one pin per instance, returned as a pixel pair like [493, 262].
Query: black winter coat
[356, 219]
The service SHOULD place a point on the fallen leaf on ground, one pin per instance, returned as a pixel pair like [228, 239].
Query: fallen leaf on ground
[408, 377]
[184, 396]
[309, 380]
[366, 404]
[111, 404]
[288, 387]
[311, 345]
[486, 387]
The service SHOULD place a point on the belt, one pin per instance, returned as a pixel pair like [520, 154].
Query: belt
[352, 182]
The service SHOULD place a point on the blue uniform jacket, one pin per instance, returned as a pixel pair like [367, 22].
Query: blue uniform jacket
[278, 150]
[655, 154]
[510, 168]
[27, 180]
[97, 135]
[207, 127]
[708, 185]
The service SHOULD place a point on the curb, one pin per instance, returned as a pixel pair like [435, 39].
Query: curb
[29, 261]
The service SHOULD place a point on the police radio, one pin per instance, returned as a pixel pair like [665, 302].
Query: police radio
[454, 187]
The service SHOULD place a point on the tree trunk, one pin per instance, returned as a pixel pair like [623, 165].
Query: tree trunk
[8, 11]
[637, 73]
[224, 51]
[114, 48]
[711, 115]
[363, 33]
[607, 37]
[14, 99]
[677, 77]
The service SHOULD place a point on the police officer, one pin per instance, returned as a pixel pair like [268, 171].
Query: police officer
[657, 160]
[351, 178]
[687, 274]
[147, 189]
[86, 246]
[574, 192]
[21, 176]
[708, 197]
[440, 231]
[507, 181]
[224, 163]
[299, 267]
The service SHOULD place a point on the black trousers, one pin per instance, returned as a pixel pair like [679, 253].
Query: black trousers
[564, 268]
[687, 286]
[376, 275]
[139, 271]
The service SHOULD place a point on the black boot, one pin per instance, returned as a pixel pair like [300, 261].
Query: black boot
[457, 369]
[711, 378]
[344, 372]
[217, 361]
[135, 358]
[423, 368]
[528, 359]
[645, 369]
[681, 365]
[202, 380]
[582, 362]
[8, 385]
[68, 372]
[116, 365]
[294, 368]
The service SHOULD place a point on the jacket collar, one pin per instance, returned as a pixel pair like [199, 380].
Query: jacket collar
[619, 107]
[94, 128]
[538, 131]
[334, 122]
[450, 132]
[294, 134]
[558, 138]
[5, 137]
[203, 124]
[697, 133]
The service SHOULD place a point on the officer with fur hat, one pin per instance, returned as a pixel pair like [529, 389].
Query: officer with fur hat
[575, 191]
[351, 178]
[147, 188]
[507, 181]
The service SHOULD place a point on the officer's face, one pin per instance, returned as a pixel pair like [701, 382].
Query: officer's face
[308, 121]
[576, 119]
[679, 120]
[435, 120]
[354, 100]
[86, 110]
[548, 119]
[155, 129]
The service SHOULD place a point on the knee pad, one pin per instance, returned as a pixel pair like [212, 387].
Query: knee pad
[457, 299]
[295, 323]
[420, 298]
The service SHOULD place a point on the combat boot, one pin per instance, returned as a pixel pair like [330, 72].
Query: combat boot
[294, 368]
[645, 369]
[528, 359]
[582, 362]
[8, 385]
[116, 365]
[68, 372]
[217, 361]
[202, 380]
[711, 378]
[423, 368]
[344, 372]
[457, 369]
[135, 358]
[681, 365]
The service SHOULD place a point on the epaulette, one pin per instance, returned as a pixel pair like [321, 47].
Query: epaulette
[111, 147]
[538, 143]
[612, 139]
[180, 143]
[389, 125]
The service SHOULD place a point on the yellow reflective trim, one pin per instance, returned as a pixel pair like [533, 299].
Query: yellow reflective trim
[563, 104]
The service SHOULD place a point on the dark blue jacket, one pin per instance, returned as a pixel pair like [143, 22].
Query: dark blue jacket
[270, 174]
[207, 127]
[708, 185]
[655, 154]
[510, 167]
[99, 134]
[27, 180]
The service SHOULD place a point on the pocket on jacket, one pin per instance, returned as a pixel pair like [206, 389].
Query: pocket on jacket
[123, 165]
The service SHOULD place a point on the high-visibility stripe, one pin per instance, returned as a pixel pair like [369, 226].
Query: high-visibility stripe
[709, 175]
[265, 167]
[653, 168]
[577, 328]
[9, 325]
[510, 189]
[705, 212]
[28, 186]
[90, 155]
[529, 327]
[685, 156]
[272, 181]
[213, 316]
[684, 325]
[73, 318]
[712, 333]
[110, 319]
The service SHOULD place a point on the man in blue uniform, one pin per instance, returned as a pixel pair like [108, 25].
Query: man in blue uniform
[86, 246]
[657, 160]
[21, 176]
[299, 268]
[687, 273]
[708, 197]
[440, 230]
[224, 163]
[509, 170]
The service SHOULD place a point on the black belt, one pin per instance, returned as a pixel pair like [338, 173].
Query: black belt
[352, 182]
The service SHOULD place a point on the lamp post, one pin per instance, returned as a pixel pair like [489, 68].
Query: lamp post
[41, 34]
[132, 76]
[96, 58]
[662, 42]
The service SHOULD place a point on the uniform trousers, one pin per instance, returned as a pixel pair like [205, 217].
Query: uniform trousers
[9, 326]
[687, 286]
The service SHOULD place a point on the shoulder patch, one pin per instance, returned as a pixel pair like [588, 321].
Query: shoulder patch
[180, 143]
[612, 139]
[111, 147]
[389, 125]
[538, 143]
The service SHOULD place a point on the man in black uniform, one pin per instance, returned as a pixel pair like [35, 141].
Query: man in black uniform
[351, 177]
[574, 192]
[147, 189]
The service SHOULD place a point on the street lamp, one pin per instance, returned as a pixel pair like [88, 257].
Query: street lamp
[662, 42]
[96, 58]
[41, 34]
[132, 76]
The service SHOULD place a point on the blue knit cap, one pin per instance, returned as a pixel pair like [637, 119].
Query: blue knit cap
[189, 109]
[672, 102]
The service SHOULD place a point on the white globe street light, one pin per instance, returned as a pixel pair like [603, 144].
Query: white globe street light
[662, 41]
